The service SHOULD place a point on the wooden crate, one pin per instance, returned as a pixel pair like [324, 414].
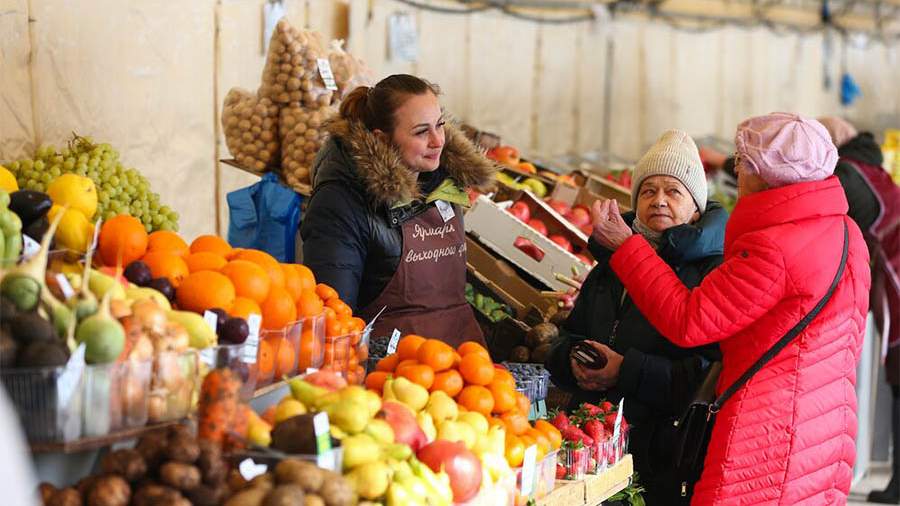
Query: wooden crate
[603, 486]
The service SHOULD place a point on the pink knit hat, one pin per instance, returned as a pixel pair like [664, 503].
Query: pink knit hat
[839, 129]
[785, 149]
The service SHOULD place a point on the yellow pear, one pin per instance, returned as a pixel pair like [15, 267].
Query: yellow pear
[475, 420]
[259, 432]
[371, 480]
[426, 423]
[349, 416]
[457, 431]
[358, 450]
[381, 431]
[288, 408]
[442, 407]
[373, 402]
[413, 395]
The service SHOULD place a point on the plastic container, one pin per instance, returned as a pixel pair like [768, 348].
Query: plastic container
[172, 385]
[609, 452]
[545, 477]
[312, 343]
[115, 397]
[48, 402]
[277, 356]
[337, 354]
[577, 461]
[231, 356]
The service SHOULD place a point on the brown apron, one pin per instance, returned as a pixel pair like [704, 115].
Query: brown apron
[426, 296]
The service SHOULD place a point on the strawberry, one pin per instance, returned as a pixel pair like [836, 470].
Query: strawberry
[560, 471]
[560, 421]
[606, 406]
[595, 429]
[574, 434]
[610, 421]
[590, 409]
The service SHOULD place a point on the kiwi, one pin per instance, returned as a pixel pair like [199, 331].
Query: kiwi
[27, 328]
[43, 354]
[295, 435]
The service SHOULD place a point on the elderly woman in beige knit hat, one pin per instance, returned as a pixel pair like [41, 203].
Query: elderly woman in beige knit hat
[669, 196]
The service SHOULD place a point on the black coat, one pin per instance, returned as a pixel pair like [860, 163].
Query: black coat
[657, 378]
[864, 207]
[362, 194]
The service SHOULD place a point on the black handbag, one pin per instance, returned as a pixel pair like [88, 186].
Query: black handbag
[694, 428]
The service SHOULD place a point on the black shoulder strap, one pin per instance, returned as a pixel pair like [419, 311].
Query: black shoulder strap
[784, 341]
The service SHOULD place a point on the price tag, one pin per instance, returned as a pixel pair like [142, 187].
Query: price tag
[392, 344]
[212, 319]
[529, 465]
[327, 75]
[251, 345]
[65, 286]
[30, 247]
[617, 428]
[322, 430]
[71, 377]
[446, 210]
[250, 469]
[310, 370]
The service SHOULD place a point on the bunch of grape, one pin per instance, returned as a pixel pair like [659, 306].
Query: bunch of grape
[119, 190]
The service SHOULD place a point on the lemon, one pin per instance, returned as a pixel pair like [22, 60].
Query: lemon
[74, 232]
[7, 180]
[77, 192]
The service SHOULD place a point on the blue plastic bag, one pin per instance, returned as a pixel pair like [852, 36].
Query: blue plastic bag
[265, 216]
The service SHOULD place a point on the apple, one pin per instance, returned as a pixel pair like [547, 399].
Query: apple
[521, 211]
[461, 465]
[529, 248]
[579, 216]
[562, 241]
[406, 429]
[587, 230]
[585, 260]
[527, 167]
[559, 206]
[538, 225]
[507, 155]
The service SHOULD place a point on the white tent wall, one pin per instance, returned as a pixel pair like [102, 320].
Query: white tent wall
[150, 76]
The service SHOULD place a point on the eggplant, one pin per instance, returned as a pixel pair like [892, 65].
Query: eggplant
[30, 205]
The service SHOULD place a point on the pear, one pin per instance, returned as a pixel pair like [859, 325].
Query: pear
[380, 431]
[491, 443]
[475, 420]
[358, 450]
[288, 408]
[457, 431]
[353, 393]
[329, 399]
[371, 480]
[373, 402]
[398, 495]
[259, 432]
[387, 391]
[439, 491]
[306, 392]
[426, 423]
[413, 395]
[441, 407]
[349, 416]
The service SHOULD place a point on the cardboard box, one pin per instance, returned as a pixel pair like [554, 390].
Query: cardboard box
[607, 189]
[499, 231]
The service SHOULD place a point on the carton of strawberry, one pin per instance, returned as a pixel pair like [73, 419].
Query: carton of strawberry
[576, 460]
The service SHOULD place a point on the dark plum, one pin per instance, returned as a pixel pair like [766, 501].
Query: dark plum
[138, 273]
[163, 286]
[221, 318]
[235, 331]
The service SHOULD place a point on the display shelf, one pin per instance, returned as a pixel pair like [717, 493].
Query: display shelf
[302, 189]
[593, 489]
[94, 443]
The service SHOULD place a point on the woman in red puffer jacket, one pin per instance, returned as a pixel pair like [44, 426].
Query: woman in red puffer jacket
[788, 436]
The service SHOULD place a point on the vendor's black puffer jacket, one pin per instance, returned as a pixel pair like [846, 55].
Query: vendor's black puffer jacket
[362, 194]
[864, 205]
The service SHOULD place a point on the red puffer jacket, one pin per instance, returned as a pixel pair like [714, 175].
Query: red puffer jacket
[788, 436]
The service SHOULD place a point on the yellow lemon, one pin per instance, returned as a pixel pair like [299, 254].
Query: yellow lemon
[74, 232]
[77, 192]
[8, 181]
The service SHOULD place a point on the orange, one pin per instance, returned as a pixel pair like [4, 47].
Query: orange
[404, 364]
[309, 304]
[516, 423]
[363, 352]
[340, 308]
[326, 292]
[540, 438]
[476, 369]
[168, 242]
[450, 382]
[456, 360]
[310, 350]
[204, 290]
[265, 359]
[476, 398]
[211, 244]
[286, 361]
[418, 374]
[122, 235]
[307, 278]
[358, 324]
[266, 261]
[244, 307]
[503, 377]
[523, 404]
[389, 364]
[205, 261]
[494, 421]
[552, 433]
[334, 327]
[278, 309]
[292, 282]
[435, 354]
[166, 265]
[249, 279]
[408, 346]
[504, 397]
[472, 347]
[515, 450]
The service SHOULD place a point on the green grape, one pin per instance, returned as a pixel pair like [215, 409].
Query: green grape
[39, 165]
[55, 171]
[109, 214]
[69, 164]
[14, 167]
[113, 180]
[83, 159]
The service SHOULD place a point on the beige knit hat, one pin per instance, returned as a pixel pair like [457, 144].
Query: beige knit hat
[675, 155]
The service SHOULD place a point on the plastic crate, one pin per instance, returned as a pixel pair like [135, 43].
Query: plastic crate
[48, 402]
[577, 461]
[115, 397]
[312, 343]
[172, 385]
[610, 451]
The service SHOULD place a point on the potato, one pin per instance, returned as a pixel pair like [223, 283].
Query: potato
[313, 500]
[213, 467]
[183, 448]
[248, 497]
[263, 481]
[127, 463]
[285, 495]
[157, 495]
[205, 495]
[305, 474]
[85, 485]
[302, 137]
[65, 497]
[109, 490]
[250, 122]
[337, 491]
[292, 66]
[179, 475]
[46, 491]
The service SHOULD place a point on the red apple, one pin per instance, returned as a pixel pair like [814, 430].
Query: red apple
[406, 429]
[579, 216]
[529, 248]
[461, 465]
[559, 206]
[585, 260]
[562, 241]
[587, 230]
[521, 211]
[538, 225]
[527, 167]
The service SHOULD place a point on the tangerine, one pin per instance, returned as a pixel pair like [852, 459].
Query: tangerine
[435, 354]
[211, 244]
[339, 307]
[307, 278]
[408, 346]
[244, 307]
[419, 374]
[122, 235]
[292, 282]
[265, 359]
[166, 265]
[266, 261]
[516, 423]
[310, 351]
[551, 432]
[204, 290]
[309, 304]
[249, 279]
[523, 403]
[471, 347]
[515, 450]
[449, 382]
[205, 261]
[168, 242]
[326, 292]
[286, 361]
[476, 369]
[504, 397]
[476, 398]
[389, 363]
[278, 310]
[503, 377]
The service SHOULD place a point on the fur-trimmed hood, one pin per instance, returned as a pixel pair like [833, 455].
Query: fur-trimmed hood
[387, 180]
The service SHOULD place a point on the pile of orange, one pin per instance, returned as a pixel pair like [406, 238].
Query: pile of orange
[469, 376]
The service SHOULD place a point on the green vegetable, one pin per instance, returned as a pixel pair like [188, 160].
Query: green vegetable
[24, 283]
[102, 334]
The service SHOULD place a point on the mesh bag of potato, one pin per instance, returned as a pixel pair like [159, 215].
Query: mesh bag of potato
[301, 137]
[291, 74]
[349, 72]
[251, 129]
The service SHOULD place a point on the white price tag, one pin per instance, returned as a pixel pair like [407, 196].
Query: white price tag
[71, 377]
[251, 345]
[529, 465]
[326, 74]
[618, 425]
[446, 210]
[30, 247]
[212, 319]
[250, 469]
[392, 344]
[64, 286]
[310, 370]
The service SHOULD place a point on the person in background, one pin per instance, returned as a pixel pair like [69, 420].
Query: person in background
[384, 224]
[788, 435]
[874, 201]
[657, 378]
[17, 480]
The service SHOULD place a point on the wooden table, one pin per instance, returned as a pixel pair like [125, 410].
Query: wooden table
[593, 489]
